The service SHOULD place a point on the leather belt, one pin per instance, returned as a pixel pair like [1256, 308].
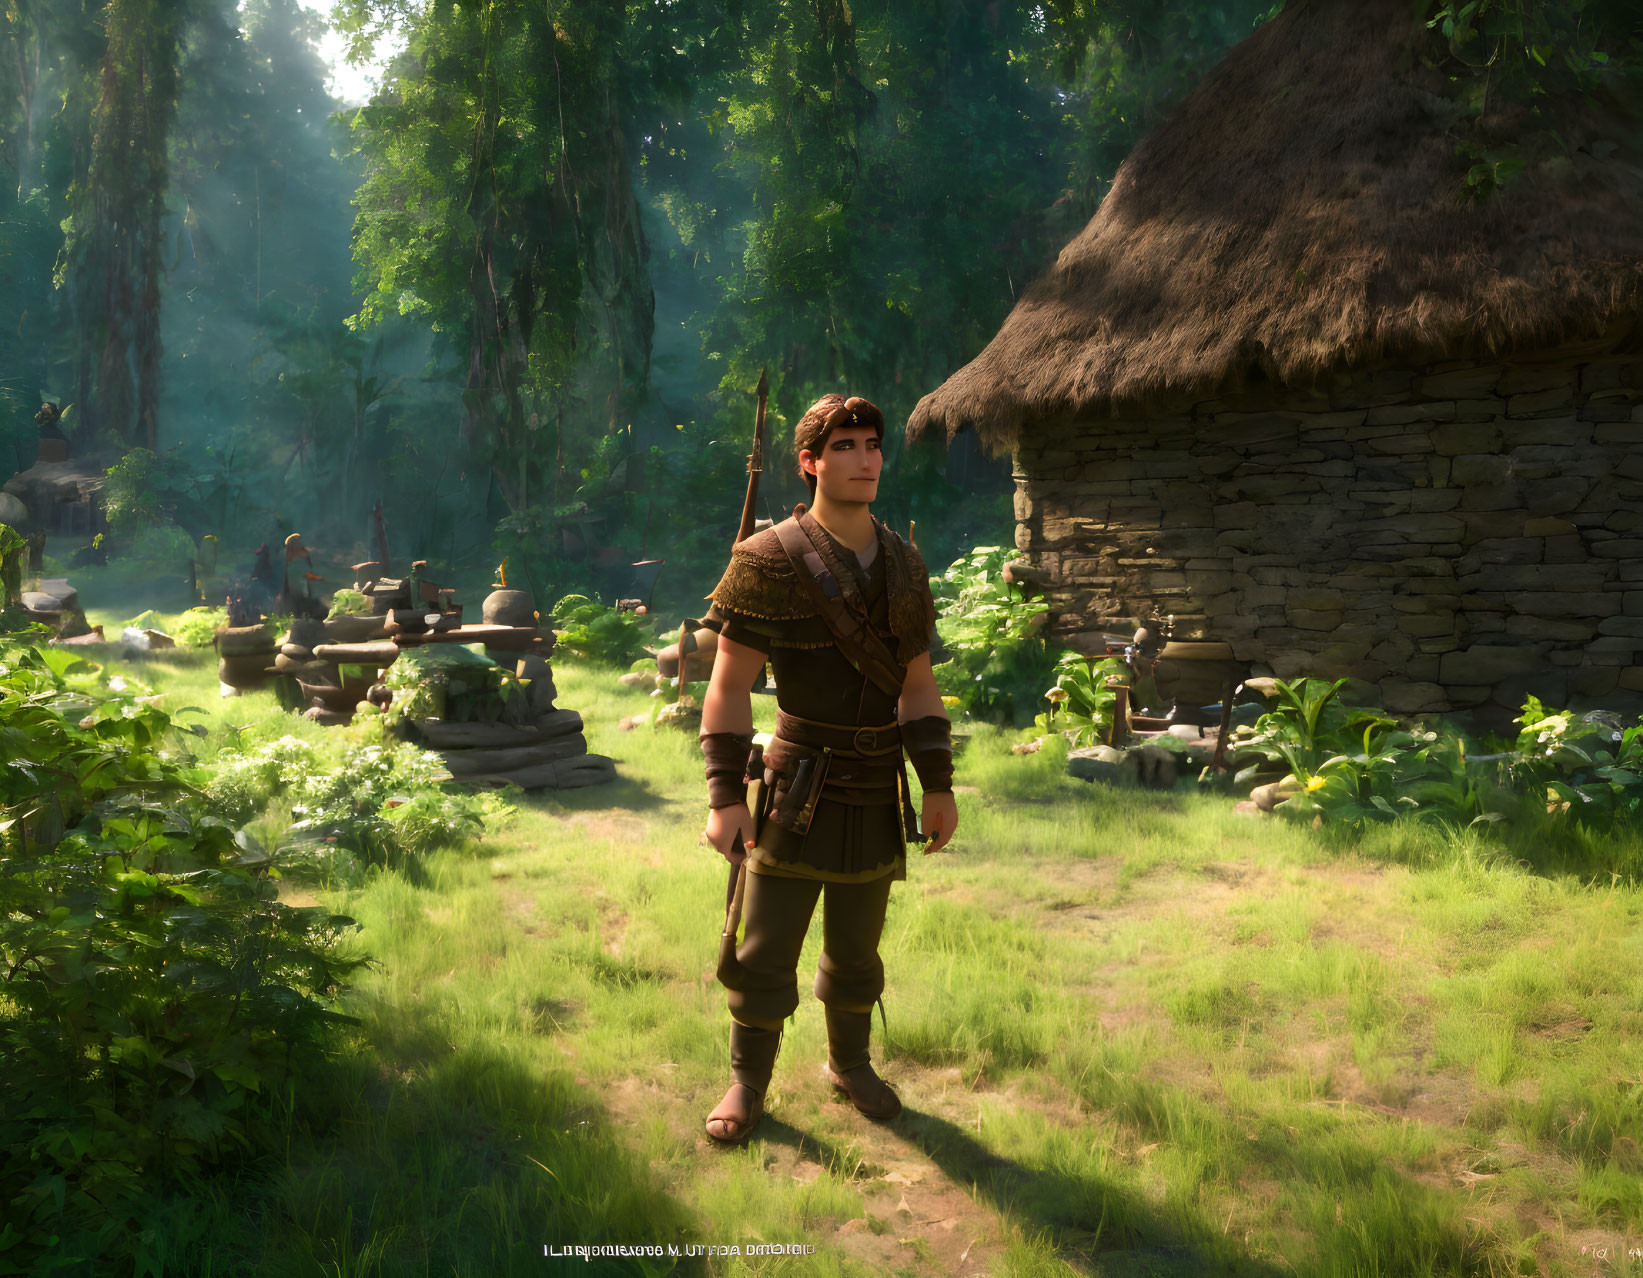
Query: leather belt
[881, 739]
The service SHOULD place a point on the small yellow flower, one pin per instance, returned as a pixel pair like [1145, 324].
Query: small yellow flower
[1316, 783]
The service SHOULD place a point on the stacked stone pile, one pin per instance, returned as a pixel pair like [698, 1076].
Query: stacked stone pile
[530, 742]
[1460, 535]
[244, 656]
[56, 604]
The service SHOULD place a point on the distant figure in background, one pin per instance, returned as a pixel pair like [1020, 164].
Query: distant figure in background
[296, 599]
[53, 443]
[258, 594]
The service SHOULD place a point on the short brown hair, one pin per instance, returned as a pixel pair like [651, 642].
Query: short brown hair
[825, 416]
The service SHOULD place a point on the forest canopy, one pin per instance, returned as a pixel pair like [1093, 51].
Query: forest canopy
[522, 295]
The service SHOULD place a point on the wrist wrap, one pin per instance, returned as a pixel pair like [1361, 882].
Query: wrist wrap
[726, 767]
[929, 745]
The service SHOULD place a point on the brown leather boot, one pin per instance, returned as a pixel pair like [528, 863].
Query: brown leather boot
[848, 1068]
[752, 1058]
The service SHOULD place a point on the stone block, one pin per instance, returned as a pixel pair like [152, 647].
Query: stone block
[1561, 603]
[1630, 678]
[1554, 496]
[1405, 697]
[1558, 399]
[1433, 500]
[1489, 663]
[1617, 433]
[1321, 598]
[1520, 379]
[1460, 383]
[1616, 372]
[1500, 550]
[1422, 666]
[1290, 663]
[1618, 548]
[1550, 685]
[1456, 439]
[1493, 496]
[1598, 681]
[1565, 550]
[1401, 445]
[1613, 643]
[1393, 650]
[1276, 575]
[1544, 430]
[1209, 583]
[1405, 414]
[1489, 408]
[1427, 626]
[1508, 577]
[1555, 629]
[1598, 413]
[1437, 471]
[1312, 619]
[1467, 695]
[1625, 626]
[1358, 388]
[1489, 469]
[1231, 627]
[1545, 526]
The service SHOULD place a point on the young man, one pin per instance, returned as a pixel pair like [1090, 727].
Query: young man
[840, 606]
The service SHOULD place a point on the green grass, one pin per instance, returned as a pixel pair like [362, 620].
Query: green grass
[1136, 1033]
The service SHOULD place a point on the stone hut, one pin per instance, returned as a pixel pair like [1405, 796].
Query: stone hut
[1294, 387]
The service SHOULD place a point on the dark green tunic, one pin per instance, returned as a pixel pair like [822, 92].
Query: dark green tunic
[761, 605]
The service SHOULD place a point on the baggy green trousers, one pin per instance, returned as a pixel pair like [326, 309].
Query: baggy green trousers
[776, 913]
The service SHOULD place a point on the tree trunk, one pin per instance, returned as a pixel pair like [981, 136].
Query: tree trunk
[117, 254]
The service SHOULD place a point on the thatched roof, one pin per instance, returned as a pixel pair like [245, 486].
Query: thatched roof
[1302, 210]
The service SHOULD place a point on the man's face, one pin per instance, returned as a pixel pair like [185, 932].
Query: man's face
[848, 465]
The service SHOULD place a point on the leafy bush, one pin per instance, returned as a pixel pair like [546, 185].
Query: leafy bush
[156, 999]
[371, 803]
[1586, 767]
[134, 492]
[1081, 703]
[1356, 765]
[997, 658]
[447, 681]
[589, 630]
[197, 627]
[347, 602]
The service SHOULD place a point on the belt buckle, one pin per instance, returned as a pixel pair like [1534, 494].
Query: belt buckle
[866, 740]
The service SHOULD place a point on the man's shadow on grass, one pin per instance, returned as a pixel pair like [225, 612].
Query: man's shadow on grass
[1088, 1223]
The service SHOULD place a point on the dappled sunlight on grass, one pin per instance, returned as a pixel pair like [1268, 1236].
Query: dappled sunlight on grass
[1134, 1032]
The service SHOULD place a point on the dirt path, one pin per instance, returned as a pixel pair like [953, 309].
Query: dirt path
[918, 1219]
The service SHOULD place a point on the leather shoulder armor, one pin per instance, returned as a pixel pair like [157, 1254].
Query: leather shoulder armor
[762, 582]
[912, 609]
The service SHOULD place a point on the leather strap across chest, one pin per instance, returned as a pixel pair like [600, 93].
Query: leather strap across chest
[840, 605]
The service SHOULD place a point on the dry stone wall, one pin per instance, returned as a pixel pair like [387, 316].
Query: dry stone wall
[1460, 535]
